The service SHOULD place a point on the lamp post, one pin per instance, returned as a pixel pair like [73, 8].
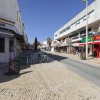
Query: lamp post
[86, 1]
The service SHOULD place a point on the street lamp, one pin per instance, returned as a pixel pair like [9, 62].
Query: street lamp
[86, 1]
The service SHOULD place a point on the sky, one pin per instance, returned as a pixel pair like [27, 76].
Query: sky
[42, 18]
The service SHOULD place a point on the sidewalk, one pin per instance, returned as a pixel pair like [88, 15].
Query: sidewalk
[91, 60]
[47, 81]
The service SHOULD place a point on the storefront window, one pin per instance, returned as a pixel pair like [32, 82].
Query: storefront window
[2, 45]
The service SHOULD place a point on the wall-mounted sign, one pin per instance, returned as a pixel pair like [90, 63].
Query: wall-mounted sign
[2, 24]
[90, 39]
[8, 26]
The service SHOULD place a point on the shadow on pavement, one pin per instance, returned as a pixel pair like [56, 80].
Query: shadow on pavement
[5, 78]
[51, 58]
[55, 57]
[4, 69]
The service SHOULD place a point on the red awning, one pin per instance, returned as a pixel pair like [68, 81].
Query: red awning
[82, 44]
[94, 42]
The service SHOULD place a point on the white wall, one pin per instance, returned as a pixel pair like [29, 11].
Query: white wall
[10, 14]
[7, 9]
[10, 11]
[97, 8]
[2, 57]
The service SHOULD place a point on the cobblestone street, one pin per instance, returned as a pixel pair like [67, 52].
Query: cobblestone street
[47, 81]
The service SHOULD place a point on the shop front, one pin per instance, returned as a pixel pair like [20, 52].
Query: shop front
[6, 46]
[90, 45]
[8, 42]
[83, 47]
[93, 45]
[96, 43]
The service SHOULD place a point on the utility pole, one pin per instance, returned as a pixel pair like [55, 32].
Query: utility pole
[86, 1]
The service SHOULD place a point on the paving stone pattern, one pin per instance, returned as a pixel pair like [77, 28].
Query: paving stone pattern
[47, 81]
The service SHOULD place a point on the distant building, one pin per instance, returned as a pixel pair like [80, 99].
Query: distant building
[44, 45]
[12, 36]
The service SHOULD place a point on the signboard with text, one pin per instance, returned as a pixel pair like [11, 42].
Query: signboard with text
[90, 39]
[97, 37]
[8, 26]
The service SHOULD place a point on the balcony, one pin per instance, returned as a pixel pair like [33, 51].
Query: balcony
[77, 39]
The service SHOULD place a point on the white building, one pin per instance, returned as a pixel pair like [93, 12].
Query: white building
[12, 34]
[74, 30]
[44, 44]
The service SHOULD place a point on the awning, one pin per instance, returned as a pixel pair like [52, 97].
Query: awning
[96, 38]
[94, 42]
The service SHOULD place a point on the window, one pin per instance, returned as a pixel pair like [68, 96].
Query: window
[61, 32]
[75, 36]
[64, 30]
[73, 25]
[68, 27]
[81, 20]
[2, 45]
[91, 13]
[84, 18]
[55, 35]
[78, 22]
[89, 29]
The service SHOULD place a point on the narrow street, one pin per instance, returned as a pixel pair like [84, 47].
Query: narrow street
[48, 81]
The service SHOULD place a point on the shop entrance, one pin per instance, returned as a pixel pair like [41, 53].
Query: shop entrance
[96, 50]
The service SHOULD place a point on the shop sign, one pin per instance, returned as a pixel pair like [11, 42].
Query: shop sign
[2, 24]
[90, 39]
[8, 26]
[97, 37]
